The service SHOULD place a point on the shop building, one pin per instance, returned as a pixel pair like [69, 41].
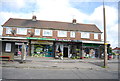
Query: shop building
[116, 50]
[50, 38]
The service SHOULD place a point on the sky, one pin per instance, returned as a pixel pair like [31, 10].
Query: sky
[84, 11]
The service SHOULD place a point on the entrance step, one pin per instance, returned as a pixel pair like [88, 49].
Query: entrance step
[66, 58]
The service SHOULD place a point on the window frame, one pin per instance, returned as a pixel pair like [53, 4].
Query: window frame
[60, 31]
[24, 33]
[85, 36]
[8, 30]
[50, 33]
[37, 33]
[95, 35]
[71, 34]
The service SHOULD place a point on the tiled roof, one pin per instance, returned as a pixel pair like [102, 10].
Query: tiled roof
[13, 22]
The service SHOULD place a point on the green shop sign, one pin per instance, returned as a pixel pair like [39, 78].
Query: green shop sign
[39, 38]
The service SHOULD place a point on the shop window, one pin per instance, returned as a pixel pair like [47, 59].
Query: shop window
[47, 32]
[85, 35]
[95, 36]
[37, 31]
[62, 33]
[72, 34]
[8, 47]
[8, 30]
[42, 51]
[22, 31]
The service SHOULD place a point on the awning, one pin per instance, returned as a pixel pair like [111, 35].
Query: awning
[15, 37]
[94, 42]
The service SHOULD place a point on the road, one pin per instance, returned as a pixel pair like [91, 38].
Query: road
[30, 73]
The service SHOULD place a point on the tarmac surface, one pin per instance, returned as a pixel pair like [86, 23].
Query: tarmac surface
[65, 69]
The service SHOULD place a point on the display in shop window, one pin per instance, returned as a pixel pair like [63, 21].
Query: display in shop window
[38, 50]
[43, 51]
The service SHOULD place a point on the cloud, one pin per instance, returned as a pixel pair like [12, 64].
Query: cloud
[6, 15]
[13, 3]
[97, 16]
[58, 10]
[111, 22]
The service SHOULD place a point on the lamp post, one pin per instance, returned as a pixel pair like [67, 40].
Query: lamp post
[105, 43]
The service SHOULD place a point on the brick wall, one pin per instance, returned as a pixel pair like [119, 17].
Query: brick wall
[77, 35]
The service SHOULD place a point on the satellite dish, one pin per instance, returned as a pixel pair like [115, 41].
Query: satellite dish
[13, 32]
[31, 33]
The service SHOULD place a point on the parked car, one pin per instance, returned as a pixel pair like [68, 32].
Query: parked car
[109, 56]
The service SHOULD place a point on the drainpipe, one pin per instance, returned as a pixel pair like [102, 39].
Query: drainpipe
[54, 49]
[82, 50]
[29, 47]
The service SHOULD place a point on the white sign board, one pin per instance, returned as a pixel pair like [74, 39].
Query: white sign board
[8, 47]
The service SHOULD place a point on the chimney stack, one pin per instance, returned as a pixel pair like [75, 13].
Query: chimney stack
[34, 18]
[74, 21]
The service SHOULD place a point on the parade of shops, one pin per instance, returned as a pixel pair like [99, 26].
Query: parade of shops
[44, 47]
[51, 38]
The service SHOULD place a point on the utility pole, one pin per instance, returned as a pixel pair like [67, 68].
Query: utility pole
[105, 43]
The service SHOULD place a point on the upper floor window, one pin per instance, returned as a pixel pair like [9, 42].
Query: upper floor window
[47, 32]
[95, 36]
[37, 31]
[22, 31]
[8, 30]
[72, 34]
[62, 33]
[85, 35]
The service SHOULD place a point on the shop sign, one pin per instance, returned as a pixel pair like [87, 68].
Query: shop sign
[41, 42]
[94, 45]
[39, 38]
[74, 40]
[62, 40]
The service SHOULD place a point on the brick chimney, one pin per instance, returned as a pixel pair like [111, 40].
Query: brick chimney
[74, 21]
[34, 18]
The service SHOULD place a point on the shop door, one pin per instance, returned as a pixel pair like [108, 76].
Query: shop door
[65, 52]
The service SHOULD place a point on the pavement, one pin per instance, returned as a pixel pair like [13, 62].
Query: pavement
[66, 63]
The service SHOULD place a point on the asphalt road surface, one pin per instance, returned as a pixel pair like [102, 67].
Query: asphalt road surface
[30, 73]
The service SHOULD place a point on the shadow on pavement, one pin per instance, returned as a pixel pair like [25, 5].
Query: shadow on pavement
[97, 63]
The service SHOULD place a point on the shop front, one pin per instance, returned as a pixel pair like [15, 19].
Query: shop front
[78, 49]
[91, 50]
[42, 49]
[68, 49]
